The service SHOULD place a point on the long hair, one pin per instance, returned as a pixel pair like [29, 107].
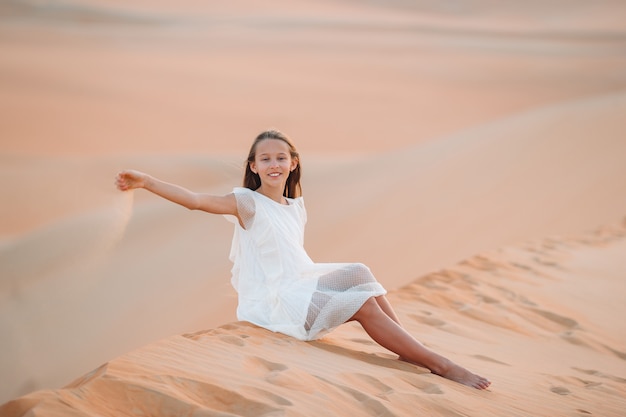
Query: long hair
[252, 181]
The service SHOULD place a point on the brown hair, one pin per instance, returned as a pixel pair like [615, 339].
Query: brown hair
[252, 181]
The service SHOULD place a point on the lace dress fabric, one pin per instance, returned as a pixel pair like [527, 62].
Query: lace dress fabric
[279, 287]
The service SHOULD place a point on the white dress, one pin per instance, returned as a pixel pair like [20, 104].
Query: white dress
[279, 287]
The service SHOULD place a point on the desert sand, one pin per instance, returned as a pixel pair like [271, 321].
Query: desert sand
[527, 315]
[473, 155]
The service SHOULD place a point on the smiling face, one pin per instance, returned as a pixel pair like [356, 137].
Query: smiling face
[272, 147]
[273, 163]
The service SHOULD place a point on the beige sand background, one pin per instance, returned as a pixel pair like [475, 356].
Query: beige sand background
[430, 132]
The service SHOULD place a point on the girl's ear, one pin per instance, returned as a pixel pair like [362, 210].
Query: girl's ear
[294, 164]
[253, 167]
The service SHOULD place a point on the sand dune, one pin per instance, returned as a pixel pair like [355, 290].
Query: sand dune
[554, 170]
[515, 313]
[430, 133]
[168, 273]
[329, 73]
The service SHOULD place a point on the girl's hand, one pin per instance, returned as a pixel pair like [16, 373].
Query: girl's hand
[130, 179]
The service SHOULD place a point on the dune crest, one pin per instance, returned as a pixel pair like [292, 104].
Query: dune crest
[514, 313]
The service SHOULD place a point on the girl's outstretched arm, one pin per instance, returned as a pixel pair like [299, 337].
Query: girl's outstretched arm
[130, 179]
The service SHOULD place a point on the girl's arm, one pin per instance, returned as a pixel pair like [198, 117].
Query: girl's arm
[130, 179]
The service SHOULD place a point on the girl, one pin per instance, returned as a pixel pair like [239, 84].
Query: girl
[279, 287]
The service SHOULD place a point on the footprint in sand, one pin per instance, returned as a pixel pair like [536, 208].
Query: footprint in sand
[197, 335]
[261, 367]
[601, 375]
[429, 321]
[551, 321]
[488, 359]
[281, 375]
[560, 390]
[482, 263]
[547, 262]
[224, 400]
[422, 385]
[370, 405]
[237, 340]
[356, 379]
[233, 340]
[282, 401]
[230, 326]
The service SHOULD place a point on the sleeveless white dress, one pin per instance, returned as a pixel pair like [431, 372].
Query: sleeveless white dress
[279, 287]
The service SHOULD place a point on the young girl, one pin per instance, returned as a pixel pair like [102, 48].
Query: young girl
[279, 287]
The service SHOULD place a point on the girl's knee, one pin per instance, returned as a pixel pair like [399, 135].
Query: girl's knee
[369, 308]
[361, 269]
[361, 273]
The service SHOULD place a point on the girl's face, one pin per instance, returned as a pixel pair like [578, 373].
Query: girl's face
[273, 162]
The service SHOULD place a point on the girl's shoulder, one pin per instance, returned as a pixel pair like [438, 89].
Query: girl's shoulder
[248, 195]
[299, 200]
[242, 191]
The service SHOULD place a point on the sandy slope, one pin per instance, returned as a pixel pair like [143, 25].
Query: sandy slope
[525, 315]
[168, 272]
[428, 133]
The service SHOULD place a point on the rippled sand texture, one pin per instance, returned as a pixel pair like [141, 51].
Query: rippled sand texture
[527, 316]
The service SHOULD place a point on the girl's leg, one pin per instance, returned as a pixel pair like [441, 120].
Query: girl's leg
[385, 305]
[389, 334]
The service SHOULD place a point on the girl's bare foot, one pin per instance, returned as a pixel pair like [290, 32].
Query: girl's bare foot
[457, 373]
[461, 375]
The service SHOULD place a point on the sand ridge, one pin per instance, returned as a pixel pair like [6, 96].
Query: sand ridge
[501, 312]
